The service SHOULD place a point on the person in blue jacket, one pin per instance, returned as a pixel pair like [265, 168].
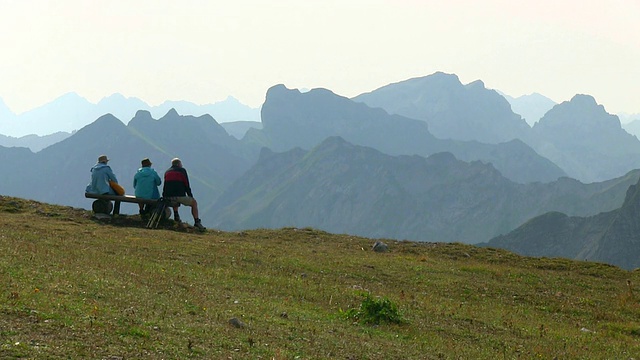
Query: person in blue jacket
[101, 173]
[146, 182]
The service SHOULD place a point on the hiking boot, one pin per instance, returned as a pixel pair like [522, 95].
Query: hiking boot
[198, 225]
[176, 218]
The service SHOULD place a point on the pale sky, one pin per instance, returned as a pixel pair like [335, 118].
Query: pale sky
[203, 51]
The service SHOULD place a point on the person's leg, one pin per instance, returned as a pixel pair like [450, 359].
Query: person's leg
[194, 209]
[176, 216]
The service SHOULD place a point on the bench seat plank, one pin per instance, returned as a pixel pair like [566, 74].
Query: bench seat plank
[120, 198]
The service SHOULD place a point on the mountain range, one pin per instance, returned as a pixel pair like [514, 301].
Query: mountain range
[323, 160]
[633, 126]
[579, 136]
[452, 110]
[612, 237]
[34, 142]
[344, 188]
[71, 112]
[585, 141]
[531, 107]
[59, 173]
[294, 119]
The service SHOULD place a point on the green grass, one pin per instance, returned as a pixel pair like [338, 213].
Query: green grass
[375, 311]
[74, 287]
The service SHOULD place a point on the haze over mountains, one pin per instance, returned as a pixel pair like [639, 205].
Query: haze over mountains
[452, 110]
[71, 112]
[372, 165]
[588, 143]
[612, 237]
[291, 119]
[344, 188]
[531, 107]
[584, 140]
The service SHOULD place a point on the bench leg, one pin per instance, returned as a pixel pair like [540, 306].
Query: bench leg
[102, 207]
[116, 208]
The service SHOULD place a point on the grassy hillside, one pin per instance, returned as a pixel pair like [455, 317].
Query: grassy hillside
[72, 286]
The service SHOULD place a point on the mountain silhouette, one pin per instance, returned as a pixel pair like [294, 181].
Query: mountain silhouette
[119, 106]
[586, 141]
[633, 127]
[228, 110]
[200, 142]
[293, 119]
[34, 142]
[322, 160]
[578, 136]
[531, 107]
[71, 112]
[345, 188]
[66, 113]
[59, 173]
[612, 237]
[238, 129]
[6, 116]
[452, 110]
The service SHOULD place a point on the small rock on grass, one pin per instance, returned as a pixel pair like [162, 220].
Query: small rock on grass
[379, 246]
[235, 322]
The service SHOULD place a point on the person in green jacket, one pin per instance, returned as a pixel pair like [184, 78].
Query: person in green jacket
[146, 182]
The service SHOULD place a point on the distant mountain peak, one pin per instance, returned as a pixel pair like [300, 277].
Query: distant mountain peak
[531, 107]
[584, 100]
[579, 107]
[5, 112]
[70, 95]
[333, 142]
[107, 118]
[452, 110]
[231, 99]
[476, 84]
[143, 115]
[278, 90]
[172, 113]
[443, 75]
[105, 124]
[322, 92]
[444, 157]
[115, 96]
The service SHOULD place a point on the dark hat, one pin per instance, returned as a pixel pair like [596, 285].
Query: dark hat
[103, 158]
[146, 162]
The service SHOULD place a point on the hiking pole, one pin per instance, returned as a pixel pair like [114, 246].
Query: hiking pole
[159, 214]
[155, 216]
[151, 219]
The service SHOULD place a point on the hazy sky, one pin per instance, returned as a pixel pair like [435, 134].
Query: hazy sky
[203, 51]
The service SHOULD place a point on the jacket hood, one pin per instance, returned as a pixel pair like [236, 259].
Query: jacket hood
[145, 171]
[99, 166]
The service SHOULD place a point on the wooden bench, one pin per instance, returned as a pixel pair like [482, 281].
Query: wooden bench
[103, 203]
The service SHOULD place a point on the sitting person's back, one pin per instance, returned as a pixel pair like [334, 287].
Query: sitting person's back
[146, 181]
[177, 189]
[101, 174]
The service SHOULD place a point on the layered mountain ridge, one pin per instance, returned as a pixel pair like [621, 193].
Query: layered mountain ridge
[612, 237]
[322, 160]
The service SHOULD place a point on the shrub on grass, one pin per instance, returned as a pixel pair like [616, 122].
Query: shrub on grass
[374, 311]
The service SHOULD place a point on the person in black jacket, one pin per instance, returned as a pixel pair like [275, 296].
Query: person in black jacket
[177, 189]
